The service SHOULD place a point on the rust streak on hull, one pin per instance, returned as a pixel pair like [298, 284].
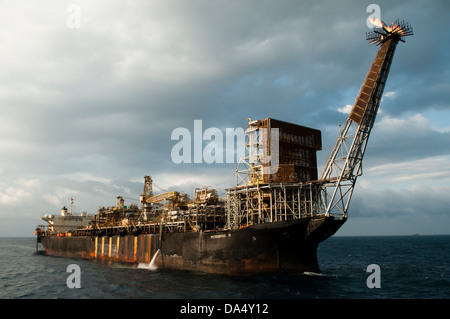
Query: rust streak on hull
[276, 247]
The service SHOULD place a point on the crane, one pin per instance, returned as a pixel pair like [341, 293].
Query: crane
[147, 196]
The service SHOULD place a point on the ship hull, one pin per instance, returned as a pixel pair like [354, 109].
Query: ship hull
[289, 246]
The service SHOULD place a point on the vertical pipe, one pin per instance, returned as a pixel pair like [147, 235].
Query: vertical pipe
[293, 203]
[271, 216]
[118, 242]
[275, 198]
[135, 247]
[95, 250]
[259, 205]
[109, 252]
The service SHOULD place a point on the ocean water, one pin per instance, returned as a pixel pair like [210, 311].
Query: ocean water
[410, 267]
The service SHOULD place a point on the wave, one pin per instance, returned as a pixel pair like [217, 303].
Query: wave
[313, 274]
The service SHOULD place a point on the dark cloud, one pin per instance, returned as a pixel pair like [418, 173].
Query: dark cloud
[391, 203]
[410, 139]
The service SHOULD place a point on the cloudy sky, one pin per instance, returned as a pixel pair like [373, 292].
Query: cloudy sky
[88, 109]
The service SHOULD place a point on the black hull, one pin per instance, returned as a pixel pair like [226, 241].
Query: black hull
[272, 247]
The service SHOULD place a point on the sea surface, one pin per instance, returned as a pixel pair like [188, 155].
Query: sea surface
[409, 267]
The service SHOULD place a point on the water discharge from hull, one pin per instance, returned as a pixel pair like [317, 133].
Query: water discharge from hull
[151, 265]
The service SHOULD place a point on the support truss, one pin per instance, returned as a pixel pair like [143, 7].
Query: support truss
[345, 162]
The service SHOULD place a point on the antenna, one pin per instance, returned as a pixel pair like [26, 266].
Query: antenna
[71, 204]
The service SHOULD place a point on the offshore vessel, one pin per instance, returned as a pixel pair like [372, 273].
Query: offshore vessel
[67, 222]
[275, 216]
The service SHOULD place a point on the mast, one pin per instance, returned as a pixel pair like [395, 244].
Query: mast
[148, 189]
[345, 162]
[71, 204]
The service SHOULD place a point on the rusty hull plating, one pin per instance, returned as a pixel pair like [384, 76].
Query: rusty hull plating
[273, 247]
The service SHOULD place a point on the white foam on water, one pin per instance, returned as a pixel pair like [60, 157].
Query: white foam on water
[310, 273]
[315, 274]
[151, 265]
